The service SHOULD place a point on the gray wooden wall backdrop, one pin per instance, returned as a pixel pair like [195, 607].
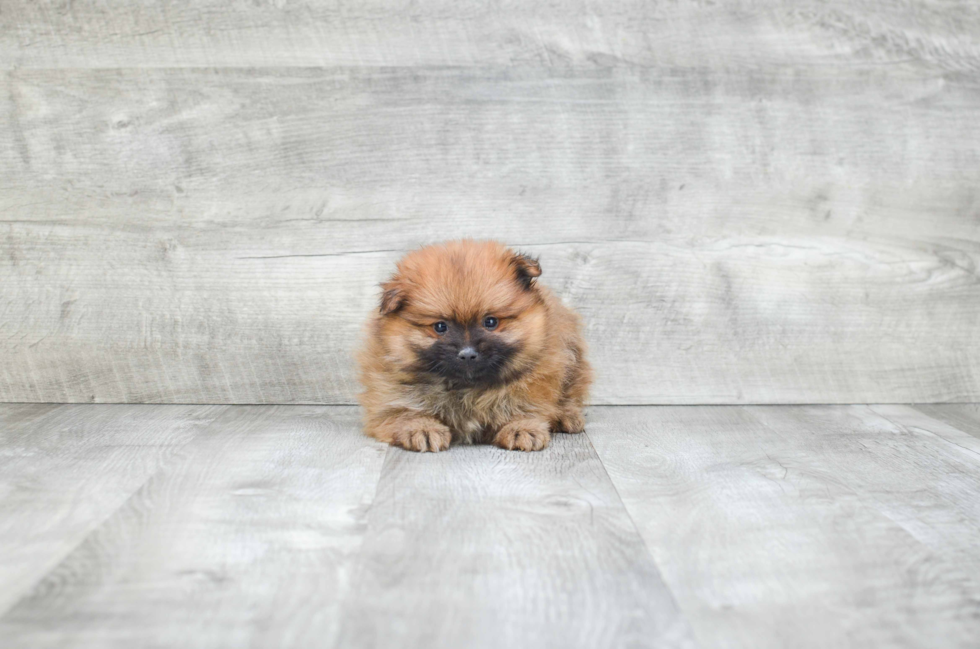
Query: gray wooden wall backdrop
[749, 201]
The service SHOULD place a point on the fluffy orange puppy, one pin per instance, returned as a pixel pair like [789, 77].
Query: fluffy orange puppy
[467, 347]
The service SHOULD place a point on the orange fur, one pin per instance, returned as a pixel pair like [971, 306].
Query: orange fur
[542, 387]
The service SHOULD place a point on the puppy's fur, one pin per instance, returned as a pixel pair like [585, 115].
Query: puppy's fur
[511, 381]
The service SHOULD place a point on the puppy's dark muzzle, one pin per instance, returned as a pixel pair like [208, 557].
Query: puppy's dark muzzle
[466, 363]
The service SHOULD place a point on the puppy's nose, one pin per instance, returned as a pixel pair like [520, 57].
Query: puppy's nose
[468, 354]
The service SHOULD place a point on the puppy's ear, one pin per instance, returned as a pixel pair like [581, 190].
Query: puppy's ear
[393, 297]
[527, 269]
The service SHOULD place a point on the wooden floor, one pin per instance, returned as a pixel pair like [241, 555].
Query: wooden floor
[275, 526]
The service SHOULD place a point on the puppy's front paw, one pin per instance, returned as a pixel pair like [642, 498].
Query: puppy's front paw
[523, 435]
[422, 435]
[570, 420]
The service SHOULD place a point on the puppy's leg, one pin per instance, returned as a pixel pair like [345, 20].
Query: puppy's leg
[413, 432]
[569, 419]
[530, 434]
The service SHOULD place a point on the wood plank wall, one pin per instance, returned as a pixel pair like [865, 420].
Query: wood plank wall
[749, 202]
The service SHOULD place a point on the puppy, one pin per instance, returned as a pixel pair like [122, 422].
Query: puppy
[467, 347]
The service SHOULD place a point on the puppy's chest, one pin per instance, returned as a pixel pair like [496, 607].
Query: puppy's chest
[469, 411]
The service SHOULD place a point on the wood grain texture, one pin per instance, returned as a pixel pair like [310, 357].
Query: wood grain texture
[64, 469]
[925, 423]
[919, 472]
[481, 547]
[963, 416]
[247, 541]
[805, 233]
[688, 33]
[802, 526]
[765, 526]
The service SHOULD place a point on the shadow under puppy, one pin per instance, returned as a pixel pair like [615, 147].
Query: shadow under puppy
[468, 347]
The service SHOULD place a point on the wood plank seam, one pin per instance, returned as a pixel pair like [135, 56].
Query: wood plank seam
[968, 447]
[94, 528]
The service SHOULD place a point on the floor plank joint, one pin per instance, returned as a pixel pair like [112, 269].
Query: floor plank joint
[674, 526]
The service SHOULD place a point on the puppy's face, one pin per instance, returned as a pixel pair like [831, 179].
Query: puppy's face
[464, 313]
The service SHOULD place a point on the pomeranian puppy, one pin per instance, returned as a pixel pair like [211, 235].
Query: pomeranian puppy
[467, 347]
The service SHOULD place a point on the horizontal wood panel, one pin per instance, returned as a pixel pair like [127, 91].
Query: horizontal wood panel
[797, 235]
[691, 33]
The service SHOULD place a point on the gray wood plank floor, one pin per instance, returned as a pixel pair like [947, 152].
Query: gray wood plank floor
[710, 526]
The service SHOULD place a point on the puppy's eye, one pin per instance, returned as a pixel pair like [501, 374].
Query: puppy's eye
[490, 322]
[440, 327]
